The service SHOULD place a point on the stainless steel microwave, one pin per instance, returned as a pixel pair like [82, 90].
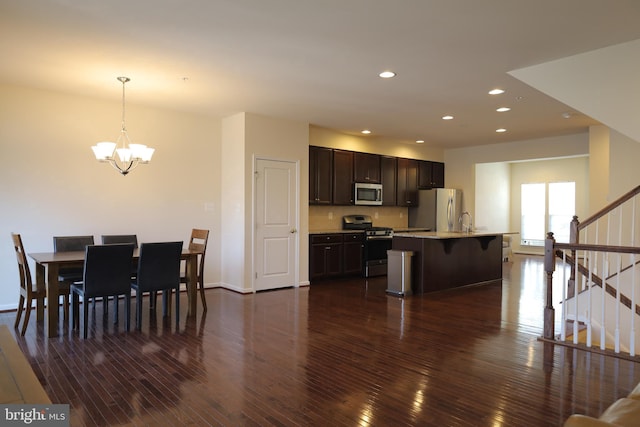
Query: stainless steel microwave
[368, 194]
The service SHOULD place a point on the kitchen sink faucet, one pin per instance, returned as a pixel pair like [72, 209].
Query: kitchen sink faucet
[467, 228]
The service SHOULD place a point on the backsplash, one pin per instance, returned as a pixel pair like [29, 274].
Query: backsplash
[330, 217]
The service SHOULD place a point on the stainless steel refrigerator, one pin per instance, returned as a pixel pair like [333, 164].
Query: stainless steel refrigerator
[438, 210]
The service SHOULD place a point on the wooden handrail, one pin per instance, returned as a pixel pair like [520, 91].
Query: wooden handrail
[597, 248]
[609, 208]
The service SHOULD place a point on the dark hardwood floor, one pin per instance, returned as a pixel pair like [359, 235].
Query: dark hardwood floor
[339, 353]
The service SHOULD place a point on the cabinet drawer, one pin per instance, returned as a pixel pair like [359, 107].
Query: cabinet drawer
[326, 238]
[353, 237]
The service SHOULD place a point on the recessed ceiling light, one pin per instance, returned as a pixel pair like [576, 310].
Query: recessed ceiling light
[366, 131]
[501, 130]
[566, 115]
[503, 109]
[387, 74]
[496, 91]
[447, 117]
[420, 141]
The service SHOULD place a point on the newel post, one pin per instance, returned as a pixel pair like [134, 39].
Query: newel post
[549, 268]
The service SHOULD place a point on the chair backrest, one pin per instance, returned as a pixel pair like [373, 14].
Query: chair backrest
[23, 265]
[108, 239]
[71, 243]
[107, 269]
[198, 242]
[159, 266]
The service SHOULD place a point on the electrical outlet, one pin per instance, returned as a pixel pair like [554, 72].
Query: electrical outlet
[401, 214]
[375, 214]
[330, 215]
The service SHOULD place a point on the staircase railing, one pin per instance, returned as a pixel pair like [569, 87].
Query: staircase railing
[598, 304]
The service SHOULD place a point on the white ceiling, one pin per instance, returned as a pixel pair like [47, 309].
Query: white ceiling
[318, 61]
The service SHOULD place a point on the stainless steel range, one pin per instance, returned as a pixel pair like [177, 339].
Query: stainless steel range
[376, 243]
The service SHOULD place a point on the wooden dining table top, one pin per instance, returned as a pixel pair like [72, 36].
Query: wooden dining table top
[75, 256]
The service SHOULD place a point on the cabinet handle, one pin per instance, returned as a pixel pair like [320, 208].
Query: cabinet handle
[327, 248]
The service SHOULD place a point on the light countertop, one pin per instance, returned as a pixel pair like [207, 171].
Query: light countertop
[450, 235]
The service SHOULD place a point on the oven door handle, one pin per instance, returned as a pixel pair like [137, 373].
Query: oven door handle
[379, 237]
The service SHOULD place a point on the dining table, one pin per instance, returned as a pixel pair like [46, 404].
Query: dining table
[48, 265]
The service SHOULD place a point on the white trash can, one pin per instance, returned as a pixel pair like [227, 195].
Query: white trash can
[399, 272]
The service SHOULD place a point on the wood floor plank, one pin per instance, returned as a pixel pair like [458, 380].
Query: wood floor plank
[338, 353]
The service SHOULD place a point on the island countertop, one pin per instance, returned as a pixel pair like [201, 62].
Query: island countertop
[450, 234]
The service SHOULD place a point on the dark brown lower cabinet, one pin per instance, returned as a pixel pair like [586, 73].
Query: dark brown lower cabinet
[325, 256]
[353, 247]
[335, 255]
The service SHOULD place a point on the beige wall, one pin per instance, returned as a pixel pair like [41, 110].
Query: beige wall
[50, 183]
[460, 169]
[558, 170]
[270, 138]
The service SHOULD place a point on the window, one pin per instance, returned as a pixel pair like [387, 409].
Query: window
[532, 209]
[562, 208]
[539, 213]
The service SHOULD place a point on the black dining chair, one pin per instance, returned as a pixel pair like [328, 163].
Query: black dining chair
[106, 273]
[158, 270]
[109, 239]
[68, 275]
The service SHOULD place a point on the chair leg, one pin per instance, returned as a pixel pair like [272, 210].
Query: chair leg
[66, 306]
[75, 310]
[202, 297]
[19, 313]
[152, 300]
[138, 310]
[177, 308]
[166, 303]
[27, 314]
[40, 309]
[85, 315]
[115, 310]
[127, 311]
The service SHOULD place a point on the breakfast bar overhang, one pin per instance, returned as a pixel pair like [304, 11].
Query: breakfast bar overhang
[445, 260]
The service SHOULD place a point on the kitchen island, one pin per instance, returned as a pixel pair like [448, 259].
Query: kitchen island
[445, 260]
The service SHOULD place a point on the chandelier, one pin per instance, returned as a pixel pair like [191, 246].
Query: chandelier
[129, 155]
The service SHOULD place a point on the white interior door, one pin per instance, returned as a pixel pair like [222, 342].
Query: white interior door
[276, 240]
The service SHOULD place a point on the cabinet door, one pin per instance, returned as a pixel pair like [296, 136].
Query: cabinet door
[325, 256]
[342, 177]
[407, 185]
[353, 252]
[325, 261]
[366, 167]
[437, 175]
[320, 175]
[425, 172]
[430, 174]
[388, 178]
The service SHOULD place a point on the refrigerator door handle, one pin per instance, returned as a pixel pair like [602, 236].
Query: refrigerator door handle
[450, 214]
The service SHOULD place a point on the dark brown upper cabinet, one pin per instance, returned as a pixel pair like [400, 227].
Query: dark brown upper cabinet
[366, 167]
[430, 174]
[407, 185]
[320, 176]
[342, 177]
[388, 178]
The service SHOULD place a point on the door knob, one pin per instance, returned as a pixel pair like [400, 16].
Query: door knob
[293, 231]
